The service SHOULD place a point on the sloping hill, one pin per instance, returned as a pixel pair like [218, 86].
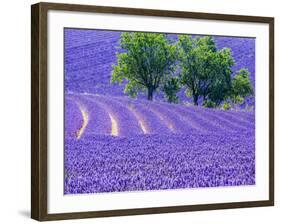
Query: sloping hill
[119, 144]
[135, 117]
[114, 143]
[90, 54]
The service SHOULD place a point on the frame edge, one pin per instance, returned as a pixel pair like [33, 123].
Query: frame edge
[39, 111]
[35, 191]
[154, 12]
[271, 111]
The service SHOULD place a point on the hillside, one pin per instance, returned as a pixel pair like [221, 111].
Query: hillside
[119, 144]
[115, 143]
[90, 54]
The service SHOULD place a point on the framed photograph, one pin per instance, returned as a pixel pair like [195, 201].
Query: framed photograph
[140, 111]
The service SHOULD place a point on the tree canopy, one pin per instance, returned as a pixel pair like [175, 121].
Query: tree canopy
[205, 71]
[148, 62]
[171, 88]
[145, 62]
[241, 86]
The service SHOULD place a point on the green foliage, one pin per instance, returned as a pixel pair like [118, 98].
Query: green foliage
[145, 62]
[188, 93]
[241, 86]
[209, 104]
[171, 88]
[226, 106]
[237, 99]
[205, 71]
[220, 78]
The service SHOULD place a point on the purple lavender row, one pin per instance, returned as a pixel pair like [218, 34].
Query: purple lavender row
[126, 123]
[220, 120]
[196, 116]
[246, 116]
[159, 119]
[216, 122]
[137, 117]
[217, 116]
[178, 123]
[73, 118]
[195, 120]
[154, 162]
[182, 124]
[98, 118]
[151, 122]
[234, 119]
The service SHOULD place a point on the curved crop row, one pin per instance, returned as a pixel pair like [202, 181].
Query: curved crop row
[125, 122]
[150, 122]
[159, 146]
[121, 116]
[73, 118]
[99, 120]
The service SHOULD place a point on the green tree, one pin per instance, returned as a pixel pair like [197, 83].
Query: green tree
[145, 61]
[241, 86]
[171, 88]
[205, 71]
[221, 77]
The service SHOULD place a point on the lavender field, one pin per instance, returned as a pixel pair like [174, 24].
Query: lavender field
[115, 143]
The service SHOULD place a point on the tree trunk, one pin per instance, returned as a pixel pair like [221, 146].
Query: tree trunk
[204, 97]
[195, 100]
[150, 94]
